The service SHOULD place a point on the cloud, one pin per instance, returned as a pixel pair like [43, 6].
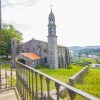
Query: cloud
[5, 3]
[14, 3]
[19, 25]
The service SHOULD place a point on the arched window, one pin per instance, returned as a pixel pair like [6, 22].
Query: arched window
[27, 49]
[45, 60]
[33, 49]
[52, 19]
[45, 51]
[22, 50]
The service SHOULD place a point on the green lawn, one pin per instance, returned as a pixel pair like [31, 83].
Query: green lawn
[91, 83]
[62, 74]
[89, 60]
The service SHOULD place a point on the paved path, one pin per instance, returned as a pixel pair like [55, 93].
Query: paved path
[8, 95]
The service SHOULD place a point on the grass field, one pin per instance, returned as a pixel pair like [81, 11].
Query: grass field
[62, 74]
[88, 60]
[91, 83]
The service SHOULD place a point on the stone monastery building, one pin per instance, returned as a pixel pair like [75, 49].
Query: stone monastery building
[36, 52]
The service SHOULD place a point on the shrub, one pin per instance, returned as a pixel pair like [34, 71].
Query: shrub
[98, 62]
[39, 66]
[69, 67]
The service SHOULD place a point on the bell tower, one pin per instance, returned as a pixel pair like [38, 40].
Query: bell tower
[52, 42]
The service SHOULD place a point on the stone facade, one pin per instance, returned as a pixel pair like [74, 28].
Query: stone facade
[54, 56]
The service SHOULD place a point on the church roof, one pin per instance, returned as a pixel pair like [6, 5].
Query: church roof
[59, 45]
[51, 15]
[32, 56]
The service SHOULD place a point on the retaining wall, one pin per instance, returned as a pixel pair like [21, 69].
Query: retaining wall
[78, 76]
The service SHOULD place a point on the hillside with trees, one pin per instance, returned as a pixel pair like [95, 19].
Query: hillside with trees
[85, 55]
[90, 51]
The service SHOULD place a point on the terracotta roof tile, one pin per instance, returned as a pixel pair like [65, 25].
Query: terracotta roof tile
[32, 56]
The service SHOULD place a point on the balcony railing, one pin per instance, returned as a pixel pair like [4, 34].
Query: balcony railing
[7, 75]
[30, 84]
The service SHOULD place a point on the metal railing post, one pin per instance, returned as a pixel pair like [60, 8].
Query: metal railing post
[36, 74]
[57, 88]
[32, 84]
[48, 88]
[5, 75]
[72, 94]
[11, 75]
[29, 85]
[41, 83]
[27, 82]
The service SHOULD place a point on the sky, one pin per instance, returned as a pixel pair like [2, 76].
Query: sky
[78, 21]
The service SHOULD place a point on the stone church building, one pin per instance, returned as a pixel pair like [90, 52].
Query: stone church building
[36, 52]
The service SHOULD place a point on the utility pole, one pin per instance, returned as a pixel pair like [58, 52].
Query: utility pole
[0, 25]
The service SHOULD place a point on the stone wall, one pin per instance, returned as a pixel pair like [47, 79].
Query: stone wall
[78, 76]
[14, 50]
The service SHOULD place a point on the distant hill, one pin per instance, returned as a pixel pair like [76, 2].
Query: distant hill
[92, 47]
[74, 48]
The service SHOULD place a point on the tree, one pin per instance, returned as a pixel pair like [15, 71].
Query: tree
[8, 33]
